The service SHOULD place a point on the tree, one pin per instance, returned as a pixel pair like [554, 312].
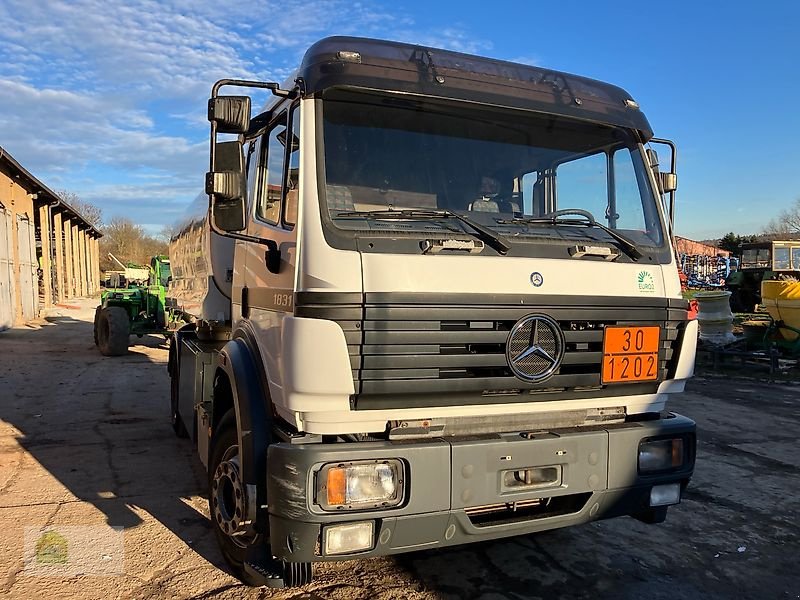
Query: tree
[128, 242]
[732, 242]
[91, 212]
[787, 225]
[167, 232]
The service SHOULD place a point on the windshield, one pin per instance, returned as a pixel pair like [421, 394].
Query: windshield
[497, 166]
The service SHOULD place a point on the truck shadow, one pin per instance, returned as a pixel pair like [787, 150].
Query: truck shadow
[100, 426]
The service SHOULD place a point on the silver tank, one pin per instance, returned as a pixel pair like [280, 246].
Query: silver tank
[202, 266]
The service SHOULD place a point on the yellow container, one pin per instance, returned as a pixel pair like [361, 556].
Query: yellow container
[782, 301]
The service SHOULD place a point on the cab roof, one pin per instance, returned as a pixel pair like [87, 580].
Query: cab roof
[407, 68]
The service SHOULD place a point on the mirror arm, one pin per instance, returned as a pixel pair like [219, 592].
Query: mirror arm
[672, 169]
[276, 90]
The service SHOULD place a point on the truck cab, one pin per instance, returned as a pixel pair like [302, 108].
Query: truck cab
[437, 303]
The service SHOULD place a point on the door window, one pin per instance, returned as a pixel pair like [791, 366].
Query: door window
[293, 174]
[268, 207]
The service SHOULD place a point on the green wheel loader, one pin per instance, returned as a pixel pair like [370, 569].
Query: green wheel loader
[137, 310]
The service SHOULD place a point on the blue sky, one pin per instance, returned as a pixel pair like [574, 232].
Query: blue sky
[106, 98]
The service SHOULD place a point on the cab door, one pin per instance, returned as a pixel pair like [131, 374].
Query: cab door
[269, 269]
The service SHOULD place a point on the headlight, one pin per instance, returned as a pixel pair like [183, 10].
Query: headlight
[660, 455]
[360, 485]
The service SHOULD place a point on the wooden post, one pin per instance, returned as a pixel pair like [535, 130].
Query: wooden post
[96, 264]
[69, 288]
[82, 259]
[47, 269]
[76, 262]
[58, 230]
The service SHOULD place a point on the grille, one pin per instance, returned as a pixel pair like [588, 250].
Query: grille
[408, 354]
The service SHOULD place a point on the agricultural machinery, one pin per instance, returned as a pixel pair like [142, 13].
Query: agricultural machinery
[136, 309]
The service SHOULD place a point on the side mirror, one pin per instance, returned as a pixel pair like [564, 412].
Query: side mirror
[668, 182]
[652, 158]
[230, 113]
[227, 187]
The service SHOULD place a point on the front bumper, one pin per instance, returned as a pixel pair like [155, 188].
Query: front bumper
[456, 492]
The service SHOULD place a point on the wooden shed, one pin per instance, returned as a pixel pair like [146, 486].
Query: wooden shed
[48, 251]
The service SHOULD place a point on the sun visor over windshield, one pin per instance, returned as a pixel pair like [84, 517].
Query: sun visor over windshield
[360, 62]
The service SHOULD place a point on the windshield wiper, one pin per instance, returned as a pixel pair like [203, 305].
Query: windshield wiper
[492, 239]
[626, 245]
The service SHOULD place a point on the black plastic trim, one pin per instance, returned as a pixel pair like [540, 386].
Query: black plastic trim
[382, 401]
[337, 299]
[240, 360]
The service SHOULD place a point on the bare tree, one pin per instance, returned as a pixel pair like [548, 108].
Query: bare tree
[787, 224]
[167, 232]
[128, 242]
[91, 212]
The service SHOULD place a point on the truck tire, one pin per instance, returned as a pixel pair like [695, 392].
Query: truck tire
[224, 489]
[113, 331]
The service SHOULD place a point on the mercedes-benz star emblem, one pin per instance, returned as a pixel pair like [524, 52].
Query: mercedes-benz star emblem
[535, 348]
[536, 279]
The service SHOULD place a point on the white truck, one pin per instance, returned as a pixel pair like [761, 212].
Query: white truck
[436, 302]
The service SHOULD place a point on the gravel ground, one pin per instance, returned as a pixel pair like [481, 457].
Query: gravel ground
[85, 442]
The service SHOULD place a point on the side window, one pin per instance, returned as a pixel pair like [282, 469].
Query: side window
[293, 174]
[583, 183]
[781, 259]
[252, 161]
[269, 198]
[627, 193]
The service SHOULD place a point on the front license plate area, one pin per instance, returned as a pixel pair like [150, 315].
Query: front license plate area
[630, 354]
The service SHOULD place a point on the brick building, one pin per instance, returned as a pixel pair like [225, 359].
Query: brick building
[687, 246]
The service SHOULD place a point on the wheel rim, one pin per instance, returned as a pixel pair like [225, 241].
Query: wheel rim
[229, 500]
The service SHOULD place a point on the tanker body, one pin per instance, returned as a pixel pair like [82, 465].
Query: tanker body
[436, 303]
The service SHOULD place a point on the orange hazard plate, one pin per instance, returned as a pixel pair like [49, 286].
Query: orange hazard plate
[630, 354]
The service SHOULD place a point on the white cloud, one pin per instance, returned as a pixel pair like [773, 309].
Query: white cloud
[106, 98]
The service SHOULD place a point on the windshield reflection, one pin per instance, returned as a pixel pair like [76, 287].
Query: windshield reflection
[492, 165]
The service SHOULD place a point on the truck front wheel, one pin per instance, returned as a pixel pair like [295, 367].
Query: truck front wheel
[246, 551]
[113, 331]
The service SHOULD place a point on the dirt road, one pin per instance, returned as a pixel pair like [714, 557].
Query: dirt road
[85, 441]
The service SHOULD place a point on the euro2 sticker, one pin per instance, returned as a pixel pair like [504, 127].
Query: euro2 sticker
[646, 283]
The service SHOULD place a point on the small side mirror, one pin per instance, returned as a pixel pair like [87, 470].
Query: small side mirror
[230, 113]
[669, 182]
[226, 185]
[652, 158]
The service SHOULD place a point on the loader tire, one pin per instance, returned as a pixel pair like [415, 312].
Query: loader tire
[113, 331]
[96, 318]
